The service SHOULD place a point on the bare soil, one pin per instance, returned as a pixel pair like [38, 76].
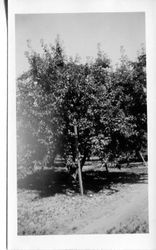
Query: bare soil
[50, 203]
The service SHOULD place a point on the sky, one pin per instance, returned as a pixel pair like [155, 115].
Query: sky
[80, 34]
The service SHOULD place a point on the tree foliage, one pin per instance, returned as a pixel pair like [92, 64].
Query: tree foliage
[108, 105]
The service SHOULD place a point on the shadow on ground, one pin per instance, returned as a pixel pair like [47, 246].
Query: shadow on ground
[49, 182]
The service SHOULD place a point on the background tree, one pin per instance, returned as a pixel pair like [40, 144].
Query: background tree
[123, 115]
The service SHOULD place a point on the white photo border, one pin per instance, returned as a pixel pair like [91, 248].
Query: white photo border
[3, 124]
[126, 241]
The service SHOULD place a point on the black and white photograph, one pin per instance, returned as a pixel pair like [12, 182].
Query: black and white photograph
[80, 166]
[81, 110]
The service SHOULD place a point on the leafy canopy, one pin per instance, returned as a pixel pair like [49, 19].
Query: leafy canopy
[108, 105]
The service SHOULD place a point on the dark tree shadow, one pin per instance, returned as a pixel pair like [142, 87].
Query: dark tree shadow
[49, 182]
[98, 180]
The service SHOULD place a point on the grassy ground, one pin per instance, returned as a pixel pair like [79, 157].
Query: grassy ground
[49, 202]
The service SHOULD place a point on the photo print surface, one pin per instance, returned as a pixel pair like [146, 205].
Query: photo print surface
[81, 114]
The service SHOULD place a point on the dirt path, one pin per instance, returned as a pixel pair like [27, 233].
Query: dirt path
[126, 210]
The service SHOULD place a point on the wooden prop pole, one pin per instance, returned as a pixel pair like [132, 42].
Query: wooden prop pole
[78, 158]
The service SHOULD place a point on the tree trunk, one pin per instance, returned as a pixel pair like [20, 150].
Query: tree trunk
[83, 160]
[106, 166]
